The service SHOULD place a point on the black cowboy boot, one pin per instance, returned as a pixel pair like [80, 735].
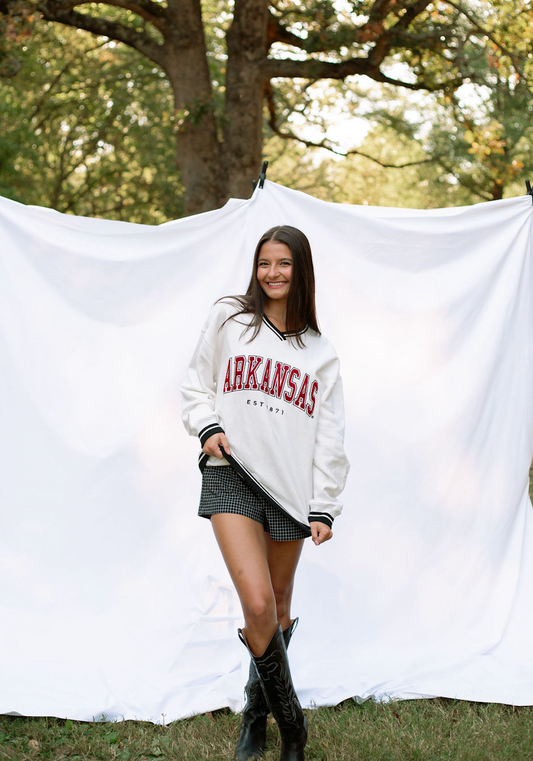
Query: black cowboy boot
[251, 742]
[275, 677]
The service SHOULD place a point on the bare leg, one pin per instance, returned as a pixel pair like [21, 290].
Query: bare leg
[262, 571]
[242, 543]
[283, 560]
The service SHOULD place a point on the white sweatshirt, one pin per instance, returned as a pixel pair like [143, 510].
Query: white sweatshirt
[281, 409]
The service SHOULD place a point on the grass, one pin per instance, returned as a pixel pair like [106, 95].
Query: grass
[414, 730]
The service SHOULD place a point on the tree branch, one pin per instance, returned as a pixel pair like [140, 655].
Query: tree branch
[487, 34]
[278, 33]
[345, 34]
[314, 69]
[385, 42]
[146, 9]
[411, 12]
[379, 10]
[56, 11]
[462, 180]
[53, 83]
[288, 135]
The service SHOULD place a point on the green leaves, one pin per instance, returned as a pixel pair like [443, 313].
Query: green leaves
[85, 129]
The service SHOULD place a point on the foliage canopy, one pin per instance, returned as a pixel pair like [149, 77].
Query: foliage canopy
[97, 103]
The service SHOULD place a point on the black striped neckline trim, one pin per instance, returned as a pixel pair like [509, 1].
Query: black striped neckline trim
[282, 335]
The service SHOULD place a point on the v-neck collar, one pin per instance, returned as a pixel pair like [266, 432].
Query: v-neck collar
[280, 333]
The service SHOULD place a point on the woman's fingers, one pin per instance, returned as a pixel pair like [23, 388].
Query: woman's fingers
[224, 443]
[213, 444]
[320, 532]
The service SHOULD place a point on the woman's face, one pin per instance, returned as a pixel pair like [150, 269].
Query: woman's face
[274, 269]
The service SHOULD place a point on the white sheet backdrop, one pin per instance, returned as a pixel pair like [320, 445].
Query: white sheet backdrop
[114, 599]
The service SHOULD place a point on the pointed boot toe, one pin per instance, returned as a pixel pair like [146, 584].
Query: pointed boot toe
[252, 738]
[293, 749]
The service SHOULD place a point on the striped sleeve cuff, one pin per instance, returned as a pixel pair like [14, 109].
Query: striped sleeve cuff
[321, 518]
[208, 431]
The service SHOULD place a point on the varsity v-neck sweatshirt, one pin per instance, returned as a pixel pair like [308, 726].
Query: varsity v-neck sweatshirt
[280, 407]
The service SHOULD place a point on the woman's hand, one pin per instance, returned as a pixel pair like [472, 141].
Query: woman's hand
[320, 532]
[213, 444]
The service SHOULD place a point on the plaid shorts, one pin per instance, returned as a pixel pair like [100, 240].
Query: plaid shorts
[224, 491]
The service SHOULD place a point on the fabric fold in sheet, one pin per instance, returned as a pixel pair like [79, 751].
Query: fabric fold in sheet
[114, 599]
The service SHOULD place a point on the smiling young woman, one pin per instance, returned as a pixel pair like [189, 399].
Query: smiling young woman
[264, 395]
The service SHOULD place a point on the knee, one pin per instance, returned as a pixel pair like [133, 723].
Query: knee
[260, 611]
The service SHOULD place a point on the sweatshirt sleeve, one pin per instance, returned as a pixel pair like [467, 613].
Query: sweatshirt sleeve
[330, 465]
[198, 391]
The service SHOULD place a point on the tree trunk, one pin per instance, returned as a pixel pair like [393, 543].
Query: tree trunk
[245, 86]
[198, 154]
[212, 171]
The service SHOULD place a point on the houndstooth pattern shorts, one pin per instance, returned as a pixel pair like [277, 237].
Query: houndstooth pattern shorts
[224, 491]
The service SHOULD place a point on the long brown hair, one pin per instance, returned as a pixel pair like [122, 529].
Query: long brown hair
[301, 309]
